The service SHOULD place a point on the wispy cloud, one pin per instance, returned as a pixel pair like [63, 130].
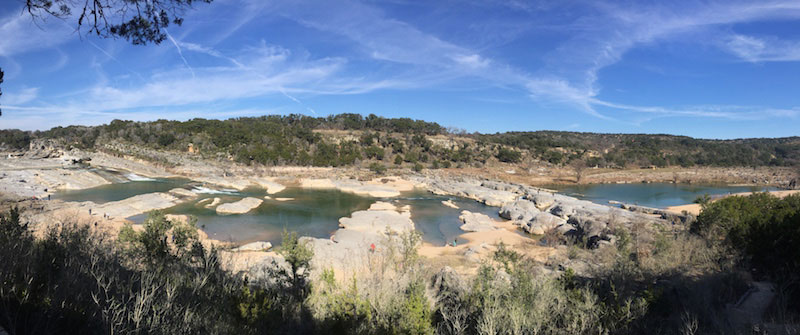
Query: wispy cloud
[754, 49]
[21, 96]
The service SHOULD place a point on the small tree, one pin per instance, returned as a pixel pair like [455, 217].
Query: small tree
[579, 166]
[299, 256]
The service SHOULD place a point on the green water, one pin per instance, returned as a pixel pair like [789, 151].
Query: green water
[313, 213]
[652, 195]
[120, 191]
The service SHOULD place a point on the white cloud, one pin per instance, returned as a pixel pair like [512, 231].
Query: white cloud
[473, 61]
[753, 49]
[20, 97]
[21, 34]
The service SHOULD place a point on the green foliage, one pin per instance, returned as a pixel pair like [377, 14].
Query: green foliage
[299, 256]
[74, 279]
[416, 316]
[398, 160]
[417, 167]
[765, 227]
[15, 139]
[161, 241]
[508, 156]
[621, 150]
[377, 168]
[374, 152]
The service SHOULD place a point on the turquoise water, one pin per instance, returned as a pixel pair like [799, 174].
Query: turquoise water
[652, 195]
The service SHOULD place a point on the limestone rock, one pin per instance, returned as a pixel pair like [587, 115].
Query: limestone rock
[476, 222]
[240, 207]
[254, 246]
[519, 210]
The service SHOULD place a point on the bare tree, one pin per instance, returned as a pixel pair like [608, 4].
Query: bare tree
[578, 165]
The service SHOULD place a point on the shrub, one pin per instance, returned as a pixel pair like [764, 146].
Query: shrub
[377, 168]
[508, 156]
[418, 167]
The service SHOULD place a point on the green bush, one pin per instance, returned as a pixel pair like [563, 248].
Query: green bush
[508, 156]
[377, 168]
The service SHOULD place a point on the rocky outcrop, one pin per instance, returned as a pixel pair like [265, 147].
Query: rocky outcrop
[471, 189]
[381, 217]
[538, 211]
[541, 223]
[476, 222]
[240, 207]
[351, 247]
[519, 210]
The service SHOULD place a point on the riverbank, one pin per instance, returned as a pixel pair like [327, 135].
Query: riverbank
[695, 209]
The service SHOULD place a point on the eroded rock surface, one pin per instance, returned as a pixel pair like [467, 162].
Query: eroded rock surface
[240, 207]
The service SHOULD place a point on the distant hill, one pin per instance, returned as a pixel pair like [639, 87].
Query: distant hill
[348, 139]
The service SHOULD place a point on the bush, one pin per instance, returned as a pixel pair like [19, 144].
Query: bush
[377, 168]
[418, 167]
[508, 156]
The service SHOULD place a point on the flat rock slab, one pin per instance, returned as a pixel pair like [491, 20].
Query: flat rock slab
[352, 186]
[139, 204]
[476, 222]
[378, 221]
[255, 246]
[240, 207]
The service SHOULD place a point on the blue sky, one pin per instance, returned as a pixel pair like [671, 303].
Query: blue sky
[709, 69]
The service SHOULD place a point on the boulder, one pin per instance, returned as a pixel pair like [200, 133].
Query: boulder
[519, 210]
[542, 222]
[588, 226]
[563, 210]
[542, 200]
[476, 222]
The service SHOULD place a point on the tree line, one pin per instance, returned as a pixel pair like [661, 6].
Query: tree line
[296, 139]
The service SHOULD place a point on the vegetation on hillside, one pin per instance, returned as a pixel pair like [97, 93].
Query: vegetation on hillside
[350, 139]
